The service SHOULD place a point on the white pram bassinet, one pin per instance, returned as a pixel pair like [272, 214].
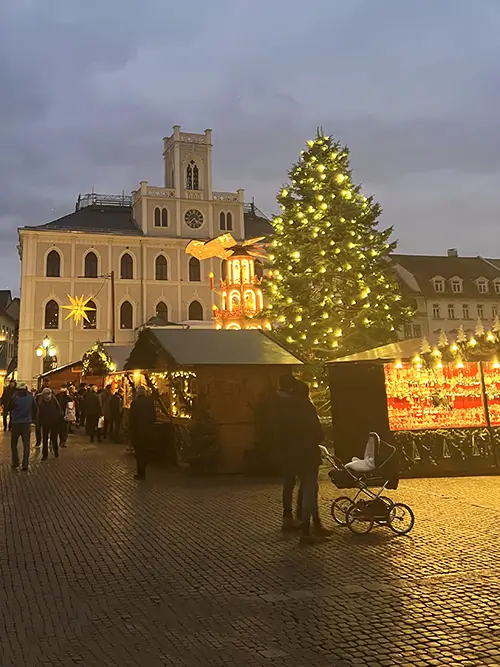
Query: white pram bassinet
[368, 463]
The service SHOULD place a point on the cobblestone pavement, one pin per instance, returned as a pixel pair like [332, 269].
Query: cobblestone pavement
[99, 570]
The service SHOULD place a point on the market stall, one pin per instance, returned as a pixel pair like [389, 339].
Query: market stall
[207, 383]
[441, 405]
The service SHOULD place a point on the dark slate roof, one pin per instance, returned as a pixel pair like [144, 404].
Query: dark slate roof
[96, 218]
[426, 267]
[256, 224]
[5, 299]
[203, 347]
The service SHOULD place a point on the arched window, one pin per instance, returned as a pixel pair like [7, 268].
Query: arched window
[161, 217]
[194, 270]
[51, 315]
[126, 315]
[223, 269]
[162, 311]
[53, 265]
[127, 267]
[229, 222]
[91, 323]
[161, 268]
[90, 265]
[259, 268]
[192, 176]
[157, 217]
[195, 311]
[222, 221]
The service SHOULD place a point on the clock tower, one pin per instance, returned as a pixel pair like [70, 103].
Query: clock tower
[187, 160]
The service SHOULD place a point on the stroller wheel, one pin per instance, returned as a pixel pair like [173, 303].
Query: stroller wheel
[401, 519]
[358, 519]
[339, 509]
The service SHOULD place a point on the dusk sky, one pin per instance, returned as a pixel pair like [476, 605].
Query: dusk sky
[412, 86]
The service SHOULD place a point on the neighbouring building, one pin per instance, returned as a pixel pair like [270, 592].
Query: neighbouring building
[130, 252]
[448, 292]
[9, 320]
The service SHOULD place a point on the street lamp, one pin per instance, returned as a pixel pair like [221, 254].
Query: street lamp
[48, 353]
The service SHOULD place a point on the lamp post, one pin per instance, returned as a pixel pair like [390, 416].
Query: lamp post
[48, 353]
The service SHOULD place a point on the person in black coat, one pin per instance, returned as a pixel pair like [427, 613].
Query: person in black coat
[7, 395]
[92, 409]
[49, 418]
[141, 420]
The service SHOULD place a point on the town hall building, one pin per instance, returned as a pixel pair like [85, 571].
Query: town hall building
[127, 254]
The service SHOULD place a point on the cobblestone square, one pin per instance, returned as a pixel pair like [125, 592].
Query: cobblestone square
[100, 570]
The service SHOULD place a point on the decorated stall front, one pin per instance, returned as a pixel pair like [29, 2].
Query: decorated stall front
[208, 382]
[440, 404]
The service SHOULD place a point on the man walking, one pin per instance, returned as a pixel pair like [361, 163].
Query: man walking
[115, 411]
[49, 417]
[22, 414]
[92, 408]
[141, 419]
[7, 396]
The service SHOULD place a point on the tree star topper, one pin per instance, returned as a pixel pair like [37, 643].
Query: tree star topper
[78, 308]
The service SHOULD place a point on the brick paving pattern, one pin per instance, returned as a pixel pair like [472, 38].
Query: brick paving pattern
[98, 570]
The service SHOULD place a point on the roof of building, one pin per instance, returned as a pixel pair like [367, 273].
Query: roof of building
[426, 267]
[118, 354]
[117, 219]
[210, 347]
[404, 349]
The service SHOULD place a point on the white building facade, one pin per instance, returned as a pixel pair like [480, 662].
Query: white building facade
[130, 252]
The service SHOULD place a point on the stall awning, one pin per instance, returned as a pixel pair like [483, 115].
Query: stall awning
[404, 349]
[203, 347]
[118, 354]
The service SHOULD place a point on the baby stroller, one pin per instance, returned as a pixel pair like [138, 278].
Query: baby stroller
[378, 468]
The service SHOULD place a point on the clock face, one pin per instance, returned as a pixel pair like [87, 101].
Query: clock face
[193, 218]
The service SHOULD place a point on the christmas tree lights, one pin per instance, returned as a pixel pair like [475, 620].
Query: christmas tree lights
[332, 288]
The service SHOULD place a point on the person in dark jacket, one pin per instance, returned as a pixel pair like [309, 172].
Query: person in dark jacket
[106, 397]
[141, 419]
[92, 408]
[49, 417]
[7, 396]
[63, 399]
[38, 397]
[22, 414]
[115, 414]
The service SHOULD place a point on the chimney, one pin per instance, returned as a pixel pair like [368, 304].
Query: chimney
[452, 252]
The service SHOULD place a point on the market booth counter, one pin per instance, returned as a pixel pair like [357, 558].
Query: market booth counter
[440, 406]
[208, 383]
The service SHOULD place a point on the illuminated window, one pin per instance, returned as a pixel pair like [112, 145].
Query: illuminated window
[52, 315]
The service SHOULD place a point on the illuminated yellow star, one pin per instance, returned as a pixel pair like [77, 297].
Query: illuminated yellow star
[78, 308]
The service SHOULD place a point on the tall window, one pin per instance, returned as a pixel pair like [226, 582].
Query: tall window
[480, 311]
[465, 311]
[126, 315]
[494, 310]
[195, 311]
[438, 284]
[161, 217]
[51, 315]
[497, 286]
[53, 265]
[456, 285]
[226, 221]
[192, 176]
[161, 268]
[436, 311]
[91, 323]
[90, 265]
[451, 311]
[194, 270]
[259, 268]
[482, 286]
[127, 267]
[162, 311]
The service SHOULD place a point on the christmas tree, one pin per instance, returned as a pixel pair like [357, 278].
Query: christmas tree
[332, 287]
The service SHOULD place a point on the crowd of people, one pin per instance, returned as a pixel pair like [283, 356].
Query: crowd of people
[97, 410]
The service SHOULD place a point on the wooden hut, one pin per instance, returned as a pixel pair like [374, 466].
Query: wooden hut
[223, 374]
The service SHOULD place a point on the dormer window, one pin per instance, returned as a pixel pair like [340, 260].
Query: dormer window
[482, 285]
[496, 286]
[456, 285]
[438, 284]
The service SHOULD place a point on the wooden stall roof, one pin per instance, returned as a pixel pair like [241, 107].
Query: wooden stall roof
[404, 349]
[118, 354]
[211, 347]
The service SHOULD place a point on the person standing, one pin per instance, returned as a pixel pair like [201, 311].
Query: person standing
[106, 397]
[49, 417]
[7, 396]
[115, 411]
[22, 415]
[141, 420]
[38, 397]
[64, 400]
[92, 408]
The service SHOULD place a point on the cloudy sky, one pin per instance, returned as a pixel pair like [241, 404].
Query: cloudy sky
[412, 86]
